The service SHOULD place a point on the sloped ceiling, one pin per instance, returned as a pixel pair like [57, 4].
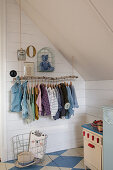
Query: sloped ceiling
[80, 29]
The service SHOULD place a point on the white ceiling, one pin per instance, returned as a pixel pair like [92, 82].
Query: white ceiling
[77, 29]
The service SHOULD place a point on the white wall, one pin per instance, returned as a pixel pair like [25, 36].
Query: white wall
[62, 134]
[3, 147]
[77, 29]
[98, 94]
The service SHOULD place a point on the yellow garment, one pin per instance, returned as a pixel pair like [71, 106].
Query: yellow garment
[36, 107]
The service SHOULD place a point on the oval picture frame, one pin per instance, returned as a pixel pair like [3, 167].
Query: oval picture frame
[34, 51]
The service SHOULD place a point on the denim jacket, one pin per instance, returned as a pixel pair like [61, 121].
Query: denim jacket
[71, 108]
[74, 96]
[16, 96]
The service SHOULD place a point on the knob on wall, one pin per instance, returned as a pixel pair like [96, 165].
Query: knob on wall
[13, 73]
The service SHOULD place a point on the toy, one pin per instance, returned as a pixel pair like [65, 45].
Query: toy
[45, 64]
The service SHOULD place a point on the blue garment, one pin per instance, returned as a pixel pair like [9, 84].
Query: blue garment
[62, 113]
[24, 101]
[70, 99]
[74, 96]
[57, 116]
[16, 96]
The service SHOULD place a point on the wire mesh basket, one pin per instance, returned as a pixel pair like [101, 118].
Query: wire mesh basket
[29, 148]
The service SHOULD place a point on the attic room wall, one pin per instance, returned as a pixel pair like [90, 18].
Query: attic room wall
[62, 134]
[98, 94]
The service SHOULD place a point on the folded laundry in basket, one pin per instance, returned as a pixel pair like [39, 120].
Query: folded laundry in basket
[36, 144]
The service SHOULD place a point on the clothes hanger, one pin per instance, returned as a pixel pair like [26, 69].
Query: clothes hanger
[45, 84]
[35, 83]
[48, 85]
[70, 83]
[65, 83]
[56, 83]
[59, 85]
[32, 87]
[28, 88]
[53, 86]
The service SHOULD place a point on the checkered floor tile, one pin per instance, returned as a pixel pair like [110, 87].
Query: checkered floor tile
[71, 159]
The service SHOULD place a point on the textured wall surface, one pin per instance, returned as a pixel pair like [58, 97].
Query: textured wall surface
[62, 134]
[98, 94]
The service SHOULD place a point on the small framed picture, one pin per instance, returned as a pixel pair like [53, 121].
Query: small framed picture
[28, 68]
[21, 55]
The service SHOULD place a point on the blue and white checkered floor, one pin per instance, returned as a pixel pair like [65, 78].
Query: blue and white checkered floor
[71, 159]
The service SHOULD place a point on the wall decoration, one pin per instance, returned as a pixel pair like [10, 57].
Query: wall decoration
[21, 55]
[29, 50]
[13, 73]
[28, 69]
[45, 60]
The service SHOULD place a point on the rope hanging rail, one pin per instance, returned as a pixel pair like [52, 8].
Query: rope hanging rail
[46, 78]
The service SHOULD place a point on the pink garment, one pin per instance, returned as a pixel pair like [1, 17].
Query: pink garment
[38, 101]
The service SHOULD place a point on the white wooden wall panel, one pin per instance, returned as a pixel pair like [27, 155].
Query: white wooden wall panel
[62, 134]
[98, 94]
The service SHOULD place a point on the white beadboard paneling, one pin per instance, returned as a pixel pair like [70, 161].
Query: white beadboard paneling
[62, 134]
[98, 94]
[99, 85]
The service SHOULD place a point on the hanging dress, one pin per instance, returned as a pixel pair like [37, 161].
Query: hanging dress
[53, 101]
[74, 96]
[30, 111]
[24, 101]
[58, 113]
[62, 112]
[35, 98]
[32, 102]
[65, 96]
[44, 101]
[38, 101]
[71, 108]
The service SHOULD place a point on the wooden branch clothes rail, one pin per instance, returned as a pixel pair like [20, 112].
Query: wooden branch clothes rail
[47, 97]
[47, 78]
